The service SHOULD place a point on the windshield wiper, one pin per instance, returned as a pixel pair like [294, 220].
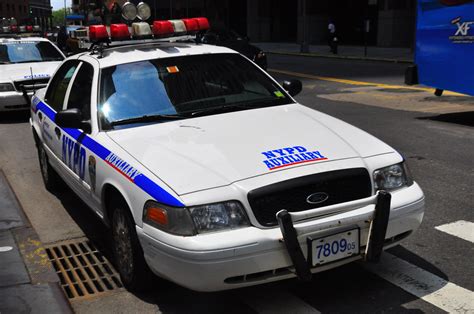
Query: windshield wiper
[148, 118]
[241, 105]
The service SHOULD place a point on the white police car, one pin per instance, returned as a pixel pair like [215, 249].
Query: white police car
[209, 173]
[26, 64]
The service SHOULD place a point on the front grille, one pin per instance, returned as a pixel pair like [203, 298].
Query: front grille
[31, 85]
[340, 186]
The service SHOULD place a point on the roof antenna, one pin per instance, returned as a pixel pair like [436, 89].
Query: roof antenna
[25, 93]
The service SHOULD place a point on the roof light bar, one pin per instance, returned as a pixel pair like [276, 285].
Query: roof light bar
[119, 32]
[143, 11]
[98, 33]
[162, 28]
[129, 11]
[203, 23]
[178, 26]
[192, 25]
[141, 30]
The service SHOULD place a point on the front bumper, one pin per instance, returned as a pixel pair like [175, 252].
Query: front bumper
[11, 101]
[249, 256]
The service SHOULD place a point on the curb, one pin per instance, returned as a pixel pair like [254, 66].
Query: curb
[34, 257]
[315, 55]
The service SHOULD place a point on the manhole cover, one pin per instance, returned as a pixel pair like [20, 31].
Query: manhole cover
[82, 269]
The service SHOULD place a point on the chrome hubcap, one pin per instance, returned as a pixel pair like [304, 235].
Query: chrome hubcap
[123, 246]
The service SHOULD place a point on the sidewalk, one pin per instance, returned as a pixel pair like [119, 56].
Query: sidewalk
[27, 282]
[399, 55]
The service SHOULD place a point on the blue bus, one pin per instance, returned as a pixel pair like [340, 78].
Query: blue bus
[444, 55]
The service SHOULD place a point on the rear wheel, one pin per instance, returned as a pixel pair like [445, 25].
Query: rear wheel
[51, 179]
[134, 272]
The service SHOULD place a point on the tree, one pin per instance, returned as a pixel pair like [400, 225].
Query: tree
[58, 17]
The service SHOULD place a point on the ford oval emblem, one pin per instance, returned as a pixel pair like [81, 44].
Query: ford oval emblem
[317, 198]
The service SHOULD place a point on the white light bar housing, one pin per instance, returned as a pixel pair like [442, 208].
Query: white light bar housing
[141, 30]
[178, 26]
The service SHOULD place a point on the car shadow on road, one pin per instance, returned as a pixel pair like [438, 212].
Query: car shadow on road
[461, 118]
[14, 117]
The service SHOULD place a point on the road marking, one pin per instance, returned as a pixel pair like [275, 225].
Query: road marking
[271, 301]
[359, 83]
[424, 285]
[5, 249]
[461, 229]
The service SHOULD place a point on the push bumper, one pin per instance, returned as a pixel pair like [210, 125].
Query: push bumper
[376, 236]
[249, 256]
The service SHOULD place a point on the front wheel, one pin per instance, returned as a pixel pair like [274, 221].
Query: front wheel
[51, 179]
[134, 272]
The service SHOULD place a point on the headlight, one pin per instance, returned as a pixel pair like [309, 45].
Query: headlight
[198, 219]
[6, 87]
[214, 217]
[392, 177]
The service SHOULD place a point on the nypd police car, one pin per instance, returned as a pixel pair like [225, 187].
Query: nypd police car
[209, 173]
[26, 64]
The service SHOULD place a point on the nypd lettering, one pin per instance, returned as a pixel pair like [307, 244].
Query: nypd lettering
[74, 156]
[288, 156]
[122, 166]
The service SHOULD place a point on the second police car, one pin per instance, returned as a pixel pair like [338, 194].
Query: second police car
[26, 64]
[207, 170]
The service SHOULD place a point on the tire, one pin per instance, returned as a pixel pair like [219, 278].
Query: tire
[51, 179]
[129, 258]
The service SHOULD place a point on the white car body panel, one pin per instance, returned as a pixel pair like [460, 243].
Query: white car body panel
[219, 158]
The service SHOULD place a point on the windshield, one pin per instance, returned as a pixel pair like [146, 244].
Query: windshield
[28, 51]
[185, 87]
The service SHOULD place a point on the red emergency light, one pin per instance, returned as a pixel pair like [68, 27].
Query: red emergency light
[14, 29]
[98, 33]
[119, 32]
[192, 25]
[29, 28]
[203, 23]
[162, 28]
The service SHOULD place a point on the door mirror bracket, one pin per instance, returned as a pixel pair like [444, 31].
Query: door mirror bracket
[293, 87]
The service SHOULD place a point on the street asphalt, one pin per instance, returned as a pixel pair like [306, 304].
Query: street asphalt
[430, 272]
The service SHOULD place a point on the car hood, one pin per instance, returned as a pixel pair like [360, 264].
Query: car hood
[22, 71]
[207, 152]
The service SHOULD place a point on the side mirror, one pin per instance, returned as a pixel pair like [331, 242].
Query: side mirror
[293, 87]
[72, 119]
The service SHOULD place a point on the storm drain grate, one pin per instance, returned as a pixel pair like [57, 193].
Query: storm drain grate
[82, 269]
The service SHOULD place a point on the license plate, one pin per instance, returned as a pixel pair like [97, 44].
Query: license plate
[334, 247]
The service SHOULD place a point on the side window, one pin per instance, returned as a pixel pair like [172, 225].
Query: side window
[80, 94]
[58, 87]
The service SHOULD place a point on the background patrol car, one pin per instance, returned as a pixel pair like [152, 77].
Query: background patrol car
[26, 64]
[207, 170]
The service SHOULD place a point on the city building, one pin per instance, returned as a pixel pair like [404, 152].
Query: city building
[41, 13]
[18, 9]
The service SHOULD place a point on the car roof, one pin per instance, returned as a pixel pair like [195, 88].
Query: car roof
[147, 51]
[22, 39]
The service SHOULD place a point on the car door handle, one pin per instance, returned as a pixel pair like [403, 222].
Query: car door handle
[58, 132]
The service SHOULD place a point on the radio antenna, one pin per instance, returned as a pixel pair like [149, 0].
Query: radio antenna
[32, 78]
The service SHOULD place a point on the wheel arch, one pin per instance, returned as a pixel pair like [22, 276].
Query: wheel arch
[111, 193]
